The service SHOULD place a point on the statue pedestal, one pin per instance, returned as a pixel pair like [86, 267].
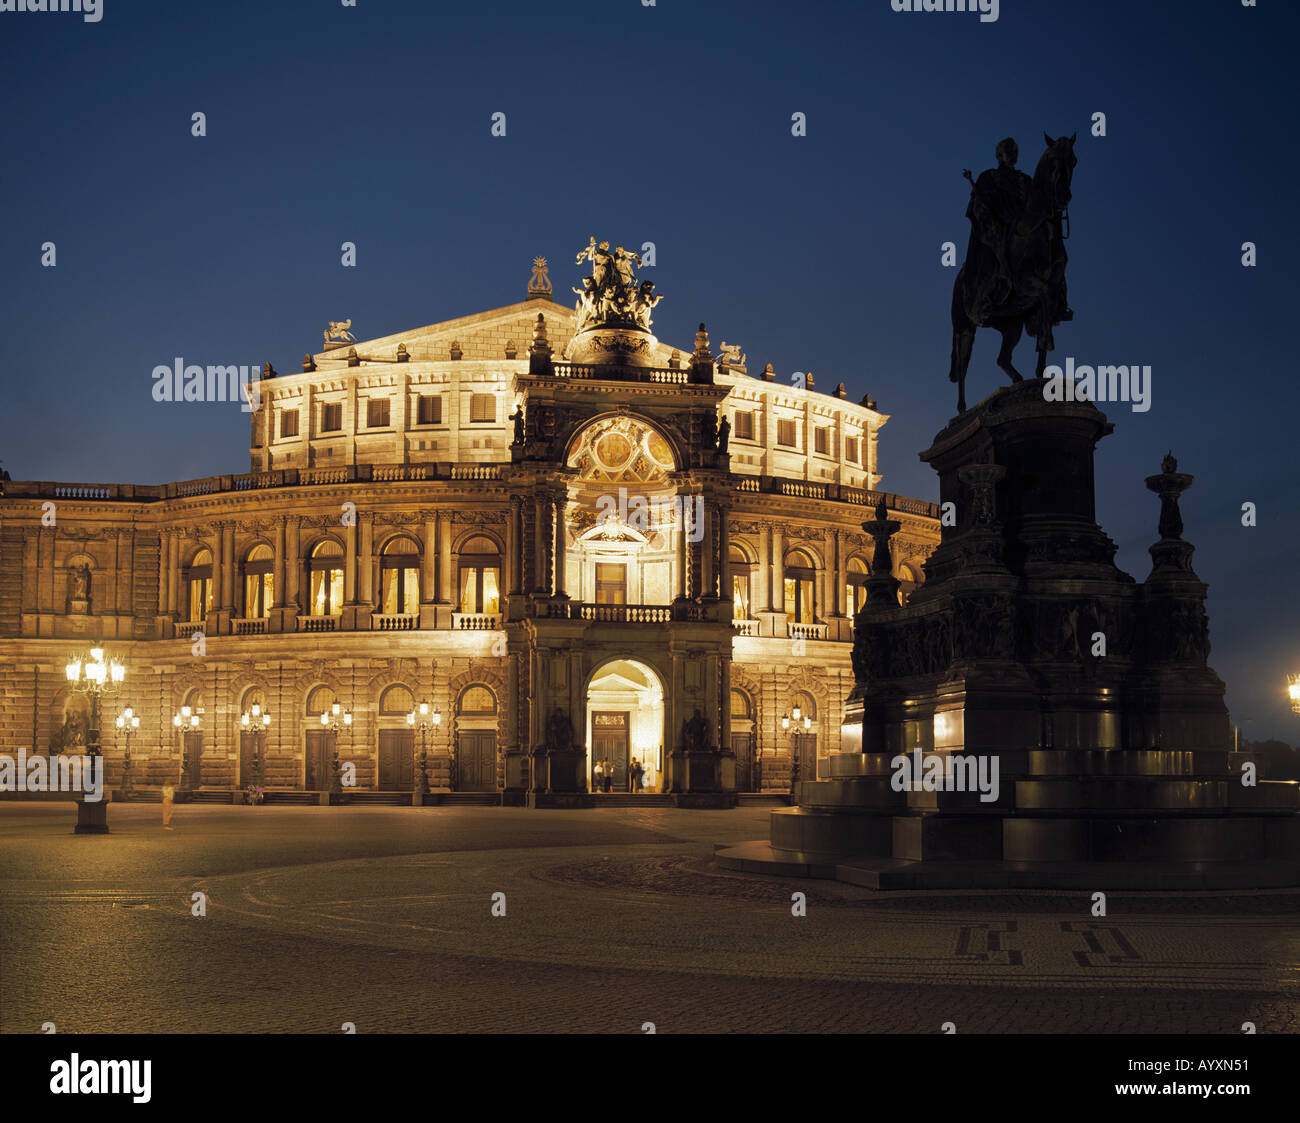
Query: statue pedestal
[1030, 669]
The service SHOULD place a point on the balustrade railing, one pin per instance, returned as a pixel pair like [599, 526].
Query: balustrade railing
[394, 621]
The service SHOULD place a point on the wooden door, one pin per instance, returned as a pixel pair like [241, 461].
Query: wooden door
[742, 747]
[805, 746]
[320, 760]
[609, 742]
[248, 758]
[194, 758]
[476, 761]
[397, 760]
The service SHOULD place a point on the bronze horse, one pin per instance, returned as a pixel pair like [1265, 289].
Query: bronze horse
[1035, 256]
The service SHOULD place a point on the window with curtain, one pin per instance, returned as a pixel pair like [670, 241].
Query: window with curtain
[480, 573]
[399, 577]
[739, 584]
[799, 576]
[259, 581]
[611, 583]
[325, 579]
[197, 578]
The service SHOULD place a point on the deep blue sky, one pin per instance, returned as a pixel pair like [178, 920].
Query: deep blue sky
[669, 124]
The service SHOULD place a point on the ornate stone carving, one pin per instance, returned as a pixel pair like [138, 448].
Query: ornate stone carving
[338, 332]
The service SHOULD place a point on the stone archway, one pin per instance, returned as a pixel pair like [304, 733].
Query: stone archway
[624, 721]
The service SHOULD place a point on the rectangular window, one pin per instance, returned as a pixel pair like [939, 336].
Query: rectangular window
[851, 449]
[785, 432]
[289, 423]
[740, 596]
[377, 413]
[327, 592]
[200, 599]
[745, 425]
[428, 410]
[257, 595]
[611, 583]
[331, 417]
[482, 408]
[480, 589]
[821, 439]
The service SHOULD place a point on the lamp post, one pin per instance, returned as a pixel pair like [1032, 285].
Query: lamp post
[128, 723]
[427, 719]
[335, 719]
[795, 716]
[95, 676]
[256, 722]
[1293, 691]
[184, 722]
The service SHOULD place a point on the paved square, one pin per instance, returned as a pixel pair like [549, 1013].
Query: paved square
[383, 916]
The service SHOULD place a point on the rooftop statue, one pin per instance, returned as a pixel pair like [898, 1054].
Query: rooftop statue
[338, 331]
[1013, 279]
[610, 295]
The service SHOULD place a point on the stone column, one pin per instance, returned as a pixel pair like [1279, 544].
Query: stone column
[724, 554]
[778, 570]
[841, 574]
[164, 572]
[278, 574]
[514, 548]
[446, 591]
[706, 546]
[174, 569]
[561, 507]
[366, 561]
[350, 564]
[541, 561]
[227, 596]
[293, 561]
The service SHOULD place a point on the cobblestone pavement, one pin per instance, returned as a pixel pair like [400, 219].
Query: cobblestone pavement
[383, 917]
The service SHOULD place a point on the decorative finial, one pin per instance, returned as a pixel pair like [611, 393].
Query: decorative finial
[769, 373]
[268, 371]
[511, 350]
[840, 392]
[308, 363]
[354, 360]
[539, 287]
[1169, 464]
[881, 584]
[1171, 553]
[456, 352]
[539, 355]
[402, 354]
[702, 344]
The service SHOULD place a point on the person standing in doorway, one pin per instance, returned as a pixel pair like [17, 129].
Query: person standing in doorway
[598, 777]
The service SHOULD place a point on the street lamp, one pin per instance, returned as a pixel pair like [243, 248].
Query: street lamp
[94, 675]
[427, 719]
[128, 723]
[336, 719]
[1293, 689]
[256, 722]
[184, 722]
[796, 715]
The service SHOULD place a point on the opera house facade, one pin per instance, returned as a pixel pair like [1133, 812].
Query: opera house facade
[476, 557]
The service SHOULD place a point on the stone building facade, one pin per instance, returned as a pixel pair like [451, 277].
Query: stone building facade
[573, 542]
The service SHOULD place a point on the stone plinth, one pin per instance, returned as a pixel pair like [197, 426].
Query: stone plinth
[1030, 656]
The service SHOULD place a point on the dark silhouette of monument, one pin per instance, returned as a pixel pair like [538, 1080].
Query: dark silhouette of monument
[1071, 729]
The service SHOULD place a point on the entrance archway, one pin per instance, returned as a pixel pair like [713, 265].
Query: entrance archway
[625, 721]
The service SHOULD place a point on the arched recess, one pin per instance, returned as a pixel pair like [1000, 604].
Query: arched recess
[626, 718]
[799, 578]
[478, 725]
[623, 448]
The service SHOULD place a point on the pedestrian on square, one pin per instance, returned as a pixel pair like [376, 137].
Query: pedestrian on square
[167, 793]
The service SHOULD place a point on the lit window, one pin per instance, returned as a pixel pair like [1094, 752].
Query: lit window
[197, 578]
[325, 579]
[480, 571]
[399, 577]
[259, 581]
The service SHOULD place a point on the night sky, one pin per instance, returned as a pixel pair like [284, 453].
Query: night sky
[670, 124]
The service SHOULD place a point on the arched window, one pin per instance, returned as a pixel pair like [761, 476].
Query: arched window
[477, 700]
[325, 579]
[741, 707]
[480, 576]
[319, 701]
[799, 574]
[396, 701]
[259, 581]
[197, 579]
[194, 699]
[855, 590]
[399, 577]
[908, 580]
[740, 573]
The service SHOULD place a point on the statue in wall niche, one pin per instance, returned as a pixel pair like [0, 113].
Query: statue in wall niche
[695, 732]
[724, 435]
[71, 735]
[559, 730]
[518, 418]
[79, 582]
